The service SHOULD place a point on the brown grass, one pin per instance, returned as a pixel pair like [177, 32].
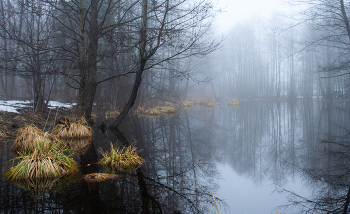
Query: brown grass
[235, 103]
[111, 114]
[6, 133]
[207, 103]
[28, 139]
[204, 103]
[188, 103]
[99, 177]
[157, 111]
[118, 159]
[42, 164]
[72, 128]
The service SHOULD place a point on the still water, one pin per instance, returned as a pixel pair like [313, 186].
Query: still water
[255, 159]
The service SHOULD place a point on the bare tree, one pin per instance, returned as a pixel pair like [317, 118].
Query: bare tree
[180, 26]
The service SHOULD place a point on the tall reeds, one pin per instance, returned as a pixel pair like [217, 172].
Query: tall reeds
[117, 159]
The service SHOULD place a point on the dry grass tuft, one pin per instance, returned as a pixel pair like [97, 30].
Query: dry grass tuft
[188, 103]
[99, 177]
[235, 103]
[5, 133]
[117, 159]
[29, 137]
[207, 103]
[42, 163]
[157, 111]
[111, 114]
[71, 128]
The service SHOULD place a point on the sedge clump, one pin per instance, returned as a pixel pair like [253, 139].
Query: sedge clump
[235, 103]
[42, 163]
[28, 139]
[119, 159]
[158, 111]
[66, 128]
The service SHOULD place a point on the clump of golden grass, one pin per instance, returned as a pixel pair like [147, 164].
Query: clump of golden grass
[188, 103]
[157, 111]
[111, 114]
[6, 133]
[235, 103]
[42, 163]
[29, 138]
[99, 177]
[161, 110]
[67, 128]
[118, 159]
[207, 103]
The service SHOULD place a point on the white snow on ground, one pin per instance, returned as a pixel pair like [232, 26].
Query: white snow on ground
[59, 104]
[12, 105]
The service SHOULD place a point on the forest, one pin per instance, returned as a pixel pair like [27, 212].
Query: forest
[122, 51]
[100, 51]
[270, 103]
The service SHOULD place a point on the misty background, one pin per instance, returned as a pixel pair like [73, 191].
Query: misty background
[283, 54]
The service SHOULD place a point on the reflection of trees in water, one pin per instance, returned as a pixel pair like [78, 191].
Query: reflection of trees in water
[179, 168]
[177, 177]
[275, 140]
[264, 139]
[326, 165]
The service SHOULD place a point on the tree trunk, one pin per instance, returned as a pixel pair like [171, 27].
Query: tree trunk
[345, 18]
[142, 64]
[133, 96]
[88, 68]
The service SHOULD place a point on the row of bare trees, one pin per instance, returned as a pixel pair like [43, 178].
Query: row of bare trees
[303, 55]
[86, 43]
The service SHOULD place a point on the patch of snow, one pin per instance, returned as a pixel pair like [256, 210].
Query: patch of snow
[12, 105]
[8, 108]
[59, 104]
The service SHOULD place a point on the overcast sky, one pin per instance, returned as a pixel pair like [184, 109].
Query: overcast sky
[239, 10]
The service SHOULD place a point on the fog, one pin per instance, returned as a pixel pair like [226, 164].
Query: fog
[231, 49]
[127, 55]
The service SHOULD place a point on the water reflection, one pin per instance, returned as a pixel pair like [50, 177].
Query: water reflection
[264, 142]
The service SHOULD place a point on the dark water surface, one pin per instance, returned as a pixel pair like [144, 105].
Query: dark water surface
[255, 158]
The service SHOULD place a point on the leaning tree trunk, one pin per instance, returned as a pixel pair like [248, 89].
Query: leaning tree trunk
[141, 68]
